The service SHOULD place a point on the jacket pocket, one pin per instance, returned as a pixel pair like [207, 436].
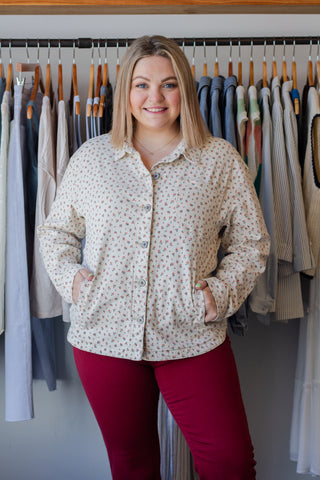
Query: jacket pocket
[200, 308]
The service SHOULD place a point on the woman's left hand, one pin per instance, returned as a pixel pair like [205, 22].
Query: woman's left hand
[209, 301]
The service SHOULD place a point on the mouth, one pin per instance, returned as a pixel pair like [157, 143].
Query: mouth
[155, 109]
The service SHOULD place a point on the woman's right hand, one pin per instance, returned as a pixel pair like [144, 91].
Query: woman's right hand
[81, 276]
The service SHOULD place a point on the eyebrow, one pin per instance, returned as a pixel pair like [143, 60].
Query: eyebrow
[148, 79]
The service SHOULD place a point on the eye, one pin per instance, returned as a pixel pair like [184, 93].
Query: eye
[170, 85]
[141, 85]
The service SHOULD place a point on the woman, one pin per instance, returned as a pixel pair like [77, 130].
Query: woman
[155, 201]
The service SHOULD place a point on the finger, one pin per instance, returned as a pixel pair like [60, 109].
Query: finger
[201, 285]
[86, 274]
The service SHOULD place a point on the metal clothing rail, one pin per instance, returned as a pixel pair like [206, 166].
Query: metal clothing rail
[122, 42]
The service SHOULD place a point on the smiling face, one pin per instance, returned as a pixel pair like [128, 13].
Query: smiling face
[155, 96]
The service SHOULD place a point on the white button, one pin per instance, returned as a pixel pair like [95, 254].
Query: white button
[142, 283]
[144, 244]
[147, 208]
[156, 176]
[140, 320]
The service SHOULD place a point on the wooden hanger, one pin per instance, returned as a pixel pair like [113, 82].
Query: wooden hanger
[104, 80]
[193, 67]
[37, 82]
[274, 63]
[294, 79]
[251, 75]
[216, 64]
[98, 84]
[91, 82]
[74, 82]
[264, 67]
[230, 61]
[284, 63]
[48, 87]
[9, 82]
[239, 66]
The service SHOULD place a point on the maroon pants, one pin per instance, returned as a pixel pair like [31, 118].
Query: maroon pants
[203, 395]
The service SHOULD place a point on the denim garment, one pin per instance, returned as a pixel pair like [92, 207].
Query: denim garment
[204, 98]
[18, 371]
[89, 120]
[263, 296]
[75, 140]
[216, 108]
[32, 172]
[6, 115]
[229, 94]
[43, 295]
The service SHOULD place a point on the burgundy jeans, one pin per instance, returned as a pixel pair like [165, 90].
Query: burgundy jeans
[203, 395]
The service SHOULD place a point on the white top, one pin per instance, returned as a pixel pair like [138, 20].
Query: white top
[150, 237]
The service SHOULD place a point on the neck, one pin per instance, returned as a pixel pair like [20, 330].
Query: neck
[152, 139]
[153, 148]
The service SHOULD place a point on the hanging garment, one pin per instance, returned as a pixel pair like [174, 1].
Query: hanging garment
[262, 298]
[74, 128]
[45, 302]
[176, 458]
[62, 160]
[305, 426]
[229, 96]
[89, 121]
[105, 122]
[204, 97]
[295, 97]
[281, 188]
[242, 120]
[289, 303]
[4, 152]
[18, 370]
[2, 90]
[253, 138]
[216, 97]
[302, 255]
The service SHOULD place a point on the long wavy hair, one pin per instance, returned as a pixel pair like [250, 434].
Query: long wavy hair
[192, 126]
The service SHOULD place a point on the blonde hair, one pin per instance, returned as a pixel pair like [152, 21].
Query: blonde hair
[192, 126]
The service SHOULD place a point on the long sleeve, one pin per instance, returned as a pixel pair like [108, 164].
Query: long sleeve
[245, 243]
[60, 236]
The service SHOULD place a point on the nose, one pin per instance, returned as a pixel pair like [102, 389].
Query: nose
[155, 94]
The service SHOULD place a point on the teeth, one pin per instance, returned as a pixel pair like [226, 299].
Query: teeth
[155, 109]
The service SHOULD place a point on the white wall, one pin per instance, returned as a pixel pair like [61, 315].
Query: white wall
[63, 441]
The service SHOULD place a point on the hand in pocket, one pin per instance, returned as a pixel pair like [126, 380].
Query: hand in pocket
[81, 276]
[209, 301]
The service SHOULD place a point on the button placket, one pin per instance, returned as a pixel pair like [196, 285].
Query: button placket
[142, 259]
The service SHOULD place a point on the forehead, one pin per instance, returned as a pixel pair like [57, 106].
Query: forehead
[154, 64]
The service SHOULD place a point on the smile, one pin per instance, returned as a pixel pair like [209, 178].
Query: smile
[156, 109]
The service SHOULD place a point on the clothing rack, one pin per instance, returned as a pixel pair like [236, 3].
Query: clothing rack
[122, 42]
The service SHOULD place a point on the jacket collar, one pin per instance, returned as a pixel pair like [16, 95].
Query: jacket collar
[193, 155]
